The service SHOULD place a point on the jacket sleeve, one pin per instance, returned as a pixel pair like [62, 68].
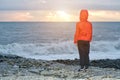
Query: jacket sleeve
[76, 33]
[90, 32]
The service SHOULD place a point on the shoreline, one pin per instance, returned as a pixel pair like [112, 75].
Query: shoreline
[12, 67]
[102, 63]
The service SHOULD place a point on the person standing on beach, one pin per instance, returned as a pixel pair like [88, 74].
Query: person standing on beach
[82, 39]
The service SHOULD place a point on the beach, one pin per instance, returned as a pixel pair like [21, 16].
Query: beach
[45, 51]
[18, 68]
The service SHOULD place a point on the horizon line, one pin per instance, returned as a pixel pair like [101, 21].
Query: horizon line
[57, 21]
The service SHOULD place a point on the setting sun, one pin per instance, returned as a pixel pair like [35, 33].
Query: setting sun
[58, 15]
[63, 15]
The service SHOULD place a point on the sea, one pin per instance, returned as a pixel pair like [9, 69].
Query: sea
[54, 40]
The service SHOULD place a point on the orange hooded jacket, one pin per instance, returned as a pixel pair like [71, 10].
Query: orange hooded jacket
[83, 28]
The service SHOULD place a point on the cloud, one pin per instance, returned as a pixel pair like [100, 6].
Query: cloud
[58, 15]
[15, 16]
[103, 15]
[46, 10]
[22, 16]
[22, 4]
[59, 4]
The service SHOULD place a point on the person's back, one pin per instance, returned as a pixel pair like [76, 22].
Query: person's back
[83, 36]
[83, 28]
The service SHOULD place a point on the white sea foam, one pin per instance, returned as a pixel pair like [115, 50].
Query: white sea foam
[62, 50]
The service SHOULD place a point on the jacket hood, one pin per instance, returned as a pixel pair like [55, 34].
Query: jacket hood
[83, 15]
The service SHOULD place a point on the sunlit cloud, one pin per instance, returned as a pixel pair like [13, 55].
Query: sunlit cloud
[44, 1]
[103, 15]
[58, 15]
[22, 16]
[15, 16]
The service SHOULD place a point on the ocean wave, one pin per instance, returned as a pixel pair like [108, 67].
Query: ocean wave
[39, 49]
[61, 48]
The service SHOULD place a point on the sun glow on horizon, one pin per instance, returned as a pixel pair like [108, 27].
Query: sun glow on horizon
[63, 15]
[58, 15]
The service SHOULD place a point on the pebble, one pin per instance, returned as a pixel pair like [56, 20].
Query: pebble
[62, 69]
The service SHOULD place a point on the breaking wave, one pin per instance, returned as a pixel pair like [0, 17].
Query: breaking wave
[61, 50]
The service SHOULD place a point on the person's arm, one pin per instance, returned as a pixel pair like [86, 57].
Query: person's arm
[90, 32]
[76, 34]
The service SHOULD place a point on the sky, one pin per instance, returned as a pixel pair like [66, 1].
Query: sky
[58, 10]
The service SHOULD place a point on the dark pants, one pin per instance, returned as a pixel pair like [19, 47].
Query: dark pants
[83, 48]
